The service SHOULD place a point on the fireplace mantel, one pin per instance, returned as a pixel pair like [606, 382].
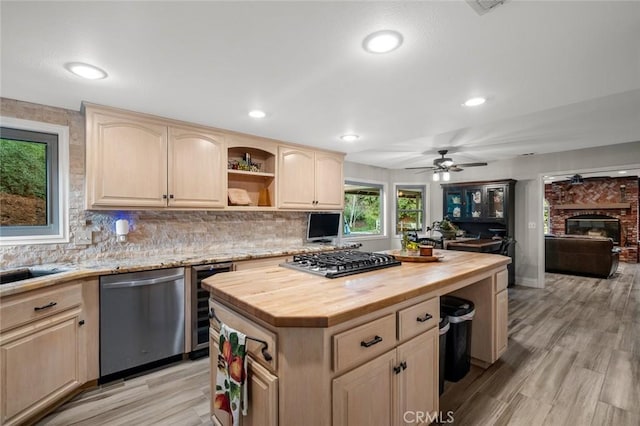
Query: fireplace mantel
[598, 206]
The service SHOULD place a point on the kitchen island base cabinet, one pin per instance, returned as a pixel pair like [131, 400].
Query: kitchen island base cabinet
[392, 389]
[358, 358]
[364, 396]
[490, 322]
[262, 392]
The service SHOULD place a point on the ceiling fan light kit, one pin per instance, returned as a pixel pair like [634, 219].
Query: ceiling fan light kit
[441, 175]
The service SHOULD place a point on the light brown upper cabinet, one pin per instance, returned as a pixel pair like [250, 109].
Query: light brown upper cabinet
[196, 176]
[136, 161]
[310, 179]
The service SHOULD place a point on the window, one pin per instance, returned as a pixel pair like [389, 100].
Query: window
[33, 182]
[363, 209]
[410, 208]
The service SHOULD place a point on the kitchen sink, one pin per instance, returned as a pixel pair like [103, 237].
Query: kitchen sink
[22, 274]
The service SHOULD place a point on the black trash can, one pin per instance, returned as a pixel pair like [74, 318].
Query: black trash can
[443, 325]
[459, 312]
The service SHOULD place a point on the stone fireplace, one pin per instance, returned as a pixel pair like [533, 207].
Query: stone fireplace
[600, 205]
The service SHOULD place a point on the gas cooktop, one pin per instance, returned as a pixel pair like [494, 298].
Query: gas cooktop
[340, 263]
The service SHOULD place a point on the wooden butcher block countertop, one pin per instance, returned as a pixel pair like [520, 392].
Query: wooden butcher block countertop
[284, 297]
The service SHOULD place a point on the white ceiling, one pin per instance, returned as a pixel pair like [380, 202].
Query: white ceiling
[558, 75]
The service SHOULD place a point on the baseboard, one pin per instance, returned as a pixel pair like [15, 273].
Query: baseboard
[527, 282]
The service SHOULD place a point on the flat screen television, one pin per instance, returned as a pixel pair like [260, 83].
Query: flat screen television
[322, 227]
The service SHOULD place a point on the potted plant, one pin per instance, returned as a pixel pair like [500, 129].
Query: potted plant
[446, 228]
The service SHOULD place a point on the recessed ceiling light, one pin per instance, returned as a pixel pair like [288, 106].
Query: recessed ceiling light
[622, 172]
[256, 113]
[382, 41]
[85, 70]
[350, 137]
[475, 101]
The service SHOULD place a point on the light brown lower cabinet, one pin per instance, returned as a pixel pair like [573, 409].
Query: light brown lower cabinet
[502, 319]
[262, 392]
[393, 389]
[380, 368]
[46, 339]
[40, 363]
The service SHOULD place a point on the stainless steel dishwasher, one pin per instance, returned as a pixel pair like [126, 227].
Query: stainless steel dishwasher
[141, 319]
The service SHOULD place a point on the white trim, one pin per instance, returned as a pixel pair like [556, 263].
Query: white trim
[529, 282]
[426, 217]
[62, 236]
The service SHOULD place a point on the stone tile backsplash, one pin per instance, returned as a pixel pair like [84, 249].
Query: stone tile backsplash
[152, 233]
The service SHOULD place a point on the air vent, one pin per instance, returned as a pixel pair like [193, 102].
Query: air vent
[483, 6]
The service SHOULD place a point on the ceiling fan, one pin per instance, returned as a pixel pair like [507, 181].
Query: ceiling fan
[445, 164]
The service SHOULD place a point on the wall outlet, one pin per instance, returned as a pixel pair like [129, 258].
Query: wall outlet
[84, 237]
[532, 225]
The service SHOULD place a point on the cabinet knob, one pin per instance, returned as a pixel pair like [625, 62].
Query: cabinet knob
[171, 196]
[164, 196]
[397, 369]
[81, 322]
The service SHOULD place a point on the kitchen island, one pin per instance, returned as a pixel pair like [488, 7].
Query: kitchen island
[360, 349]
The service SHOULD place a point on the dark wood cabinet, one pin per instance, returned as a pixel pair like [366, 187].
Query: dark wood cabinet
[483, 209]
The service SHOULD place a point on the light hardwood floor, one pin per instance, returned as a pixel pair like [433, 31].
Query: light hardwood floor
[573, 359]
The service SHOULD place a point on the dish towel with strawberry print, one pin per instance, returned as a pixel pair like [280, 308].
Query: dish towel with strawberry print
[231, 392]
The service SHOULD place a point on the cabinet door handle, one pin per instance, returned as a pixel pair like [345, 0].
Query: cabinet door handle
[397, 369]
[81, 322]
[376, 339]
[403, 364]
[170, 195]
[48, 305]
[425, 318]
[164, 196]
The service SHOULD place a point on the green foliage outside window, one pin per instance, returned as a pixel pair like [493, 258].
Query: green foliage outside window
[362, 209]
[409, 208]
[23, 168]
[23, 183]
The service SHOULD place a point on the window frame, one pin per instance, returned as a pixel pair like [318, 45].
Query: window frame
[383, 209]
[57, 229]
[425, 198]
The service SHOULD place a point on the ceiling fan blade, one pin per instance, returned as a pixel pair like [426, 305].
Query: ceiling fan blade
[425, 168]
[455, 169]
[471, 164]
